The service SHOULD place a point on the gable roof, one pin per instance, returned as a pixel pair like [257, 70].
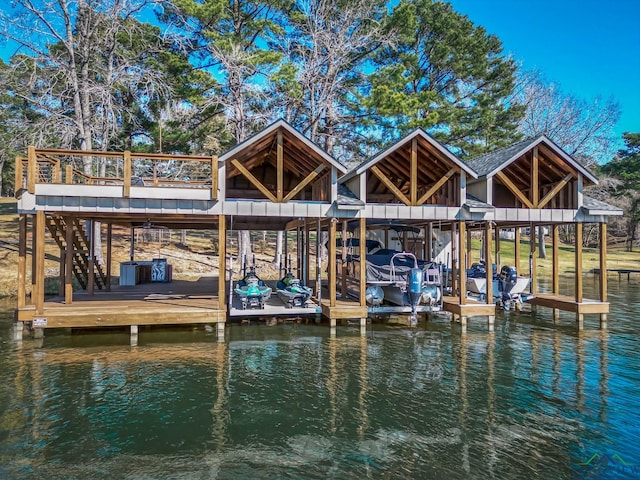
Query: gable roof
[491, 163]
[291, 133]
[417, 133]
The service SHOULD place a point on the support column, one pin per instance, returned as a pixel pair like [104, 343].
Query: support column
[62, 263]
[132, 240]
[462, 237]
[222, 262]
[39, 280]
[454, 253]
[603, 271]
[90, 262]
[516, 248]
[343, 264]
[468, 262]
[109, 247]
[22, 260]
[34, 260]
[307, 253]
[363, 263]
[220, 326]
[497, 258]
[578, 263]
[488, 234]
[332, 265]
[134, 336]
[68, 239]
[429, 242]
[318, 261]
[555, 267]
[532, 258]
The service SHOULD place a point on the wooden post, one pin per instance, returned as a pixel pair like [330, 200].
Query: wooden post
[62, 262]
[469, 252]
[307, 251]
[126, 189]
[22, 260]
[132, 240]
[454, 270]
[603, 262]
[535, 191]
[555, 256]
[463, 270]
[57, 172]
[332, 262]
[516, 248]
[90, 264]
[318, 261]
[39, 234]
[214, 177]
[578, 251]
[222, 261]
[32, 169]
[19, 179]
[413, 183]
[343, 264]
[497, 257]
[532, 256]
[109, 248]
[68, 174]
[34, 260]
[279, 168]
[363, 262]
[488, 234]
[428, 242]
[69, 255]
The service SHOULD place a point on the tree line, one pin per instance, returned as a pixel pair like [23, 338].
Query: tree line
[198, 76]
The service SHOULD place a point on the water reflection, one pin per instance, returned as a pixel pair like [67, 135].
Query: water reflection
[529, 399]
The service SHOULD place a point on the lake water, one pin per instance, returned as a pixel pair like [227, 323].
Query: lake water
[530, 400]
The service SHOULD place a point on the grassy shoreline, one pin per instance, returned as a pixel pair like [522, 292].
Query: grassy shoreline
[197, 257]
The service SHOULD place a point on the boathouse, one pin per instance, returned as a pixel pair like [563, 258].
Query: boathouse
[278, 180]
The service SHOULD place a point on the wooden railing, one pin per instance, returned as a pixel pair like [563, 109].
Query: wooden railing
[120, 168]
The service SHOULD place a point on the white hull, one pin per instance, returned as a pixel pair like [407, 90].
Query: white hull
[479, 286]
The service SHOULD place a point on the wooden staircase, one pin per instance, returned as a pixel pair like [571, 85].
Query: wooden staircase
[58, 228]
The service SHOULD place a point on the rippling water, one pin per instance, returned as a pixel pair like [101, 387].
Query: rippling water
[530, 400]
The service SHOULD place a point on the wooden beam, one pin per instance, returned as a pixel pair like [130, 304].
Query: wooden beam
[332, 262]
[390, 185]
[109, 248]
[515, 190]
[39, 281]
[454, 272]
[414, 172]
[222, 261]
[22, 260]
[535, 178]
[256, 183]
[363, 262]
[68, 240]
[462, 238]
[19, 178]
[532, 256]
[578, 263]
[91, 271]
[32, 169]
[68, 174]
[34, 259]
[436, 186]
[555, 256]
[468, 262]
[126, 188]
[308, 179]
[603, 262]
[516, 248]
[498, 257]
[280, 168]
[343, 270]
[488, 236]
[214, 177]
[554, 191]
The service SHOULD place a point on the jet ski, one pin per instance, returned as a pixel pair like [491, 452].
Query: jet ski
[252, 291]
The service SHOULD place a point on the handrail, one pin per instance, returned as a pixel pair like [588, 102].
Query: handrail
[47, 165]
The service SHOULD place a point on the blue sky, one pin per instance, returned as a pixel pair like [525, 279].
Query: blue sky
[590, 48]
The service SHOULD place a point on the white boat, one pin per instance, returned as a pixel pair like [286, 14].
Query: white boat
[508, 288]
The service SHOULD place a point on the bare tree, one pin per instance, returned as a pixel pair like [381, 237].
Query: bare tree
[583, 128]
[81, 68]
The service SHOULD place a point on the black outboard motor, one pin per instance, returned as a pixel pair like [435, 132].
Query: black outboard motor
[506, 281]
